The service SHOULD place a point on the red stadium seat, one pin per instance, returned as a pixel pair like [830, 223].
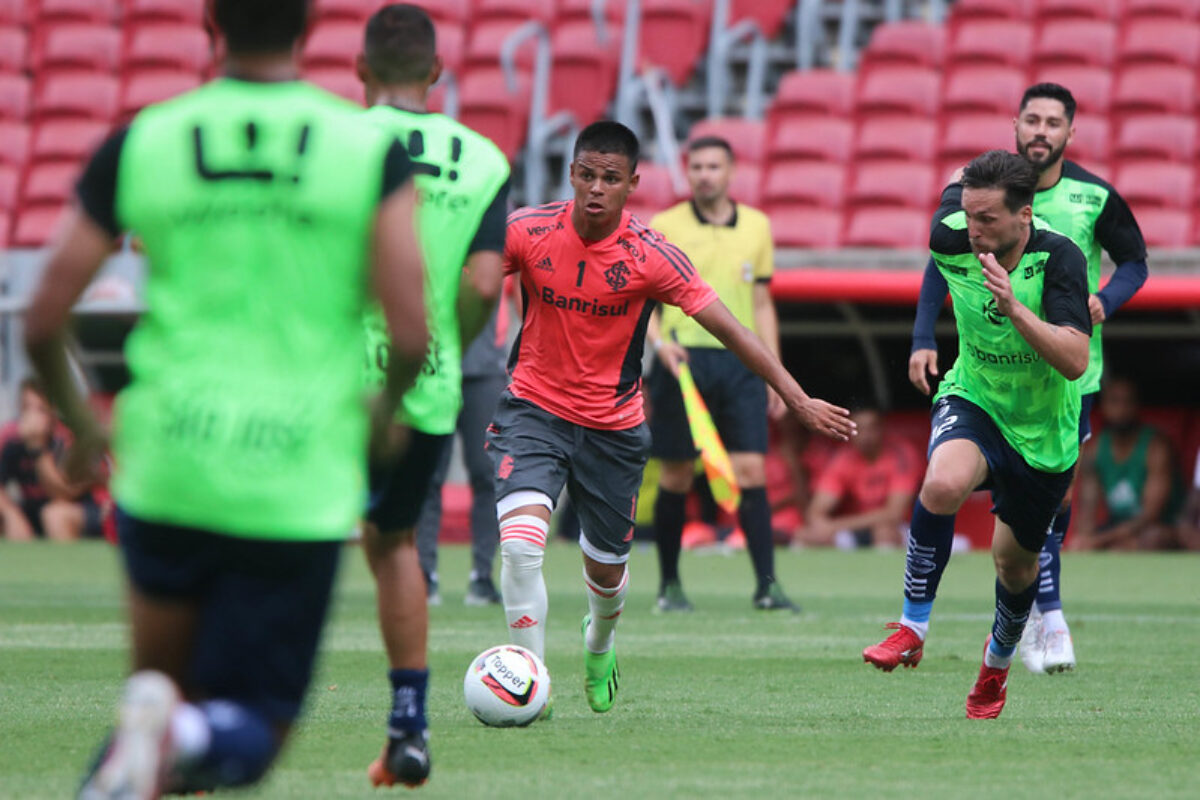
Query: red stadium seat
[1007, 42]
[452, 44]
[748, 137]
[337, 81]
[14, 142]
[75, 45]
[1088, 42]
[1092, 140]
[512, 10]
[1090, 86]
[14, 12]
[1155, 184]
[34, 226]
[903, 90]
[908, 43]
[486, 42]
[983, 90]
[9, 180]
[1165, 227]
[49, 184]
[888, 227]
[1154, 89]
[161, 45]
[967, 135]
[1160, 42]
[355, 11]
[1176, 9]
[190, 12]
[487, 106]
[814, 91]
[911, 138]
[333, 44]
[13, 49]
[457, 11]
[154, 86]
[77, 94]
[804, 138]
[1157, 136]
[994, 9]
[817, 228]
[674, 34]
[821, 184]
[1048, 10]
[76, 10]
[746, 186]
[894, 183]
[67, 139]
[769, 14]
[580, 60]
[575, 10]
[655, 189]
[14, 96]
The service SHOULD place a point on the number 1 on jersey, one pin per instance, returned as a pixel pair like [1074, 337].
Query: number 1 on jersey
[579, 280]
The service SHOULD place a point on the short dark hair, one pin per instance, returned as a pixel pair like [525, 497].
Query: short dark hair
[705, 142]
[400, 44]
[1051, 91]
[1000, 169]
[608, 136]
[261, 26]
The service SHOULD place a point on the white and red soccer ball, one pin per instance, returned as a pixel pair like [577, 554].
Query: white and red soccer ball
[506, 686]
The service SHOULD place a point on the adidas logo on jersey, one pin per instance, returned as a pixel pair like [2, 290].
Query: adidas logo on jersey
[524, 622]
[545, 265]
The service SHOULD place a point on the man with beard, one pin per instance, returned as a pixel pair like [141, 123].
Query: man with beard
[730, 245]
[1006, 416]
[1087, 209]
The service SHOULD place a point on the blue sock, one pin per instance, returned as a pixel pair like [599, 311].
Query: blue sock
[241, 747]
[408, 701]
[1012, 611]
[1050, 565]
[929, 540]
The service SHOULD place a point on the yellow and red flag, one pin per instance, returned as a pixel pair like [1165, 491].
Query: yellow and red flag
[716, 462]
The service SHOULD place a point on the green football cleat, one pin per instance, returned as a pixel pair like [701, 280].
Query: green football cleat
[601, 678]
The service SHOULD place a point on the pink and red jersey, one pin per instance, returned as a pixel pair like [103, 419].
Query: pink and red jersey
[863, 485]
[586, 308]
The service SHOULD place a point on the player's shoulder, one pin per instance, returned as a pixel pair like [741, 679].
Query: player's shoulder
[754, 219]
[1072, 171]
[655, 241]
[1045, 239]
[538, 221]
[477, 147]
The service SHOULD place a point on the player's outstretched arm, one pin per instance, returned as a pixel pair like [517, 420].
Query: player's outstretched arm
[817, 415]
[923, 360]
[478, 292]
[1064, 347]
[76, 256]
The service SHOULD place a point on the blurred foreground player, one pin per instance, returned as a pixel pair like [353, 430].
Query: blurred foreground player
[1006, 415]
[590, 276]
[462, 182]
[268, 212]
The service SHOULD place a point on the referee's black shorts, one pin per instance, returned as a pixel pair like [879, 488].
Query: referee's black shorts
[735, 396]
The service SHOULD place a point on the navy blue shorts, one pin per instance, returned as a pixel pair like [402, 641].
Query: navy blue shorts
[398, 490]
[1024, 498]
[1085, 416]
[261, 604]
[735, 396]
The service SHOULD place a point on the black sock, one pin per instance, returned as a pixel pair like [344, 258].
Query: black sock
[1012, 612]
[670, 510]
[754, 514]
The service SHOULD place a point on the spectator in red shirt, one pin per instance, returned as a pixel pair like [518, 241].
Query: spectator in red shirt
[863, 496]
[49, 505]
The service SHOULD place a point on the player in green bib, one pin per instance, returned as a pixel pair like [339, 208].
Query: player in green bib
[1006, 415]
[462, 188]
[1087, 209]
[267, 211]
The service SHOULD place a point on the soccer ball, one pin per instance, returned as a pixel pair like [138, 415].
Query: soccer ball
[506, 686]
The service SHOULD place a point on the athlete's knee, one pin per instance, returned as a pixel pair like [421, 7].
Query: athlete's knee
[943, 493]
[62, 520]
[1016, 571]
[602, 574]
[521, 556]
[677, 476]
[749, 469]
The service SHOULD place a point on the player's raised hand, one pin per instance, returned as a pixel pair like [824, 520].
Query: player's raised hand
[826, 418]
[922, 364]
[672, 354]
[995, 277]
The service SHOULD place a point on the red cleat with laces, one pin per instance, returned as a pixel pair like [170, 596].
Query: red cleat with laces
[986, 699]
[902, 647]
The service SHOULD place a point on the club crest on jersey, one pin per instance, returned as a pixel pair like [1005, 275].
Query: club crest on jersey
[617, 276]
[992, 312]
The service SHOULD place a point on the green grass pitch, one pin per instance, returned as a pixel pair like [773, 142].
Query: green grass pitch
[725, 702]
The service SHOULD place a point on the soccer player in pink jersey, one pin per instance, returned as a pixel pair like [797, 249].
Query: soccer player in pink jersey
[590, 276]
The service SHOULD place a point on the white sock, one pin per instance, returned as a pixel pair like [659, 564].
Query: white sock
[190, 734]
[919, 628]
[522, 548]
[1054, 621]
[605, 604]
[994, 661]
